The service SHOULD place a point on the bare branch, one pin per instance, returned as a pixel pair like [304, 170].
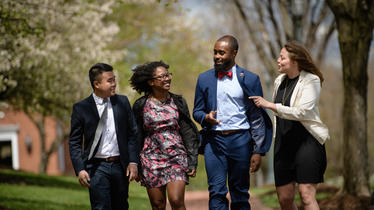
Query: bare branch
[278, 35]
[264, 32]
[311, 35]
[269, 65]
[325, 41]
[286, 20]
[306, 17]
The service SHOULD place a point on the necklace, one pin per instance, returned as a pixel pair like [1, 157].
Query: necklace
[285, 96]
[160, 101]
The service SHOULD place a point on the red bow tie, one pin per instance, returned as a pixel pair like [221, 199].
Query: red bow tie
[221, 74]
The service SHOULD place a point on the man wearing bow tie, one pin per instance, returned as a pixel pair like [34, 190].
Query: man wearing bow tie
[235, 132]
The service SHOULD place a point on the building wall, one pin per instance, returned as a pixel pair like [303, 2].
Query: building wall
[29, 160]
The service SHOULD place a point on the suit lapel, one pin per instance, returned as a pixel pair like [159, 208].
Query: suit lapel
[93, 108]
[212, 86]
[115, 108]
[240, 74]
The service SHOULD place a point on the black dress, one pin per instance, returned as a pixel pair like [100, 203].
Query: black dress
[298, 156]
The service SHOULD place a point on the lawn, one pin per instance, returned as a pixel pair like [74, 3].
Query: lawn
[22, 190]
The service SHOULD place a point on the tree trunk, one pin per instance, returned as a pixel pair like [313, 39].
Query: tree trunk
[355, 35]
[40, 123]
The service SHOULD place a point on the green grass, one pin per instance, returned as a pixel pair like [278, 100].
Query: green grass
[22, 190]
[37, 197]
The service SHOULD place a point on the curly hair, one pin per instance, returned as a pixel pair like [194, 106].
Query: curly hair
[142, 73]
[300, 54]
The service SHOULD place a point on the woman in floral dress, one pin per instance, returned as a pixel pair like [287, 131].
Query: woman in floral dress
[168, 138]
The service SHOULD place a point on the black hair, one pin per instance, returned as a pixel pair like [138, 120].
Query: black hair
[143, 73]
[97, 70]
[233, 43]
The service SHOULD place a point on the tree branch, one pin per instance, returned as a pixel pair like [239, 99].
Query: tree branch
[265, 33]
[269, 65]
[325, 41]
[286, 20]
[278, 35]
[311, 35]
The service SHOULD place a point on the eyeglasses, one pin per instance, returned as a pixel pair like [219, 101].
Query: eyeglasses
[164, 77]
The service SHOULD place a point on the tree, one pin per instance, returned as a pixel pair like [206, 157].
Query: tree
[58, 41]
[170, 37]
[355, 22]
[271, 23]
[263, 26]
[47, 48]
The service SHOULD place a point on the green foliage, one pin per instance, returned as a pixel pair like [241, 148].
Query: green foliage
[151, 31]
[46, 50]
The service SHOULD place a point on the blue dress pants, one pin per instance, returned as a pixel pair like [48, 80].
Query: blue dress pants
[108, 185]
[227, 157]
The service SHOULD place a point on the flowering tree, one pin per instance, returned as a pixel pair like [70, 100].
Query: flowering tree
[46, 50]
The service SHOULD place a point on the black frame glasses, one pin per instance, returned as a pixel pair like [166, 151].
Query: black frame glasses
[164, 77]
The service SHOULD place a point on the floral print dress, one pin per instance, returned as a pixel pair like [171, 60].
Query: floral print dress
[163, 156]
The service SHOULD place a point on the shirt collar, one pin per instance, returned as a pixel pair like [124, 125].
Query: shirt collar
[233, 69]
[98, 100]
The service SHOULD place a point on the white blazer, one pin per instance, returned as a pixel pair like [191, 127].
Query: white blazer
[303, 105]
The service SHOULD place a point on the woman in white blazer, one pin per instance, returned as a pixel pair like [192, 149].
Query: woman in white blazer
[299, 150]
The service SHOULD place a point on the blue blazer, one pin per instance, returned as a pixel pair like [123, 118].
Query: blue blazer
[84, 120]
[206, 101]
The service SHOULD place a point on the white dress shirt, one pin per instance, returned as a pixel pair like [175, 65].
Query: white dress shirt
[108, 146]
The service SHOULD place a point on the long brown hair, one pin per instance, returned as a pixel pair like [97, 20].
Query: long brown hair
[298, 53]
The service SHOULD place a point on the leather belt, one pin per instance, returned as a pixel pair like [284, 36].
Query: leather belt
[228, 132]
[108, 159]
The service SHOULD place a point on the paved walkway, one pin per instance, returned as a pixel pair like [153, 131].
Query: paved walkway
[198, 200]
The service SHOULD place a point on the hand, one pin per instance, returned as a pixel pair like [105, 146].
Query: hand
[191, 173]
[132, 172]
[84, 178]
[209, 118]
[255, 163]
[260, 101]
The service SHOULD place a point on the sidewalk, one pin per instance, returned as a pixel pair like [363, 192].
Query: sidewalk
[199, 200]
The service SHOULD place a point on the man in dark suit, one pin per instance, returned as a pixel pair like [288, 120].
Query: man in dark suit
[235, 132]
[103, 146]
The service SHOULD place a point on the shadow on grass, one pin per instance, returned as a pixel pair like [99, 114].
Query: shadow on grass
[21, 203]
[16, 177]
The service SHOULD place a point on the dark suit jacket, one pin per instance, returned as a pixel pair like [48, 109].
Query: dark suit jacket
[206, 101]
[84, 121]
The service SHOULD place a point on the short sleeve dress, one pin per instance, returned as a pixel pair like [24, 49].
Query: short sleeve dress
[163, 156]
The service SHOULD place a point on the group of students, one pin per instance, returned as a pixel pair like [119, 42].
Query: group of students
[157, 143]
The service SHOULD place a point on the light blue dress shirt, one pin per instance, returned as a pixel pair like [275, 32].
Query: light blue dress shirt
[231, 108]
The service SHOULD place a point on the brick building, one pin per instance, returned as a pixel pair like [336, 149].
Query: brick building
[20, 144]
